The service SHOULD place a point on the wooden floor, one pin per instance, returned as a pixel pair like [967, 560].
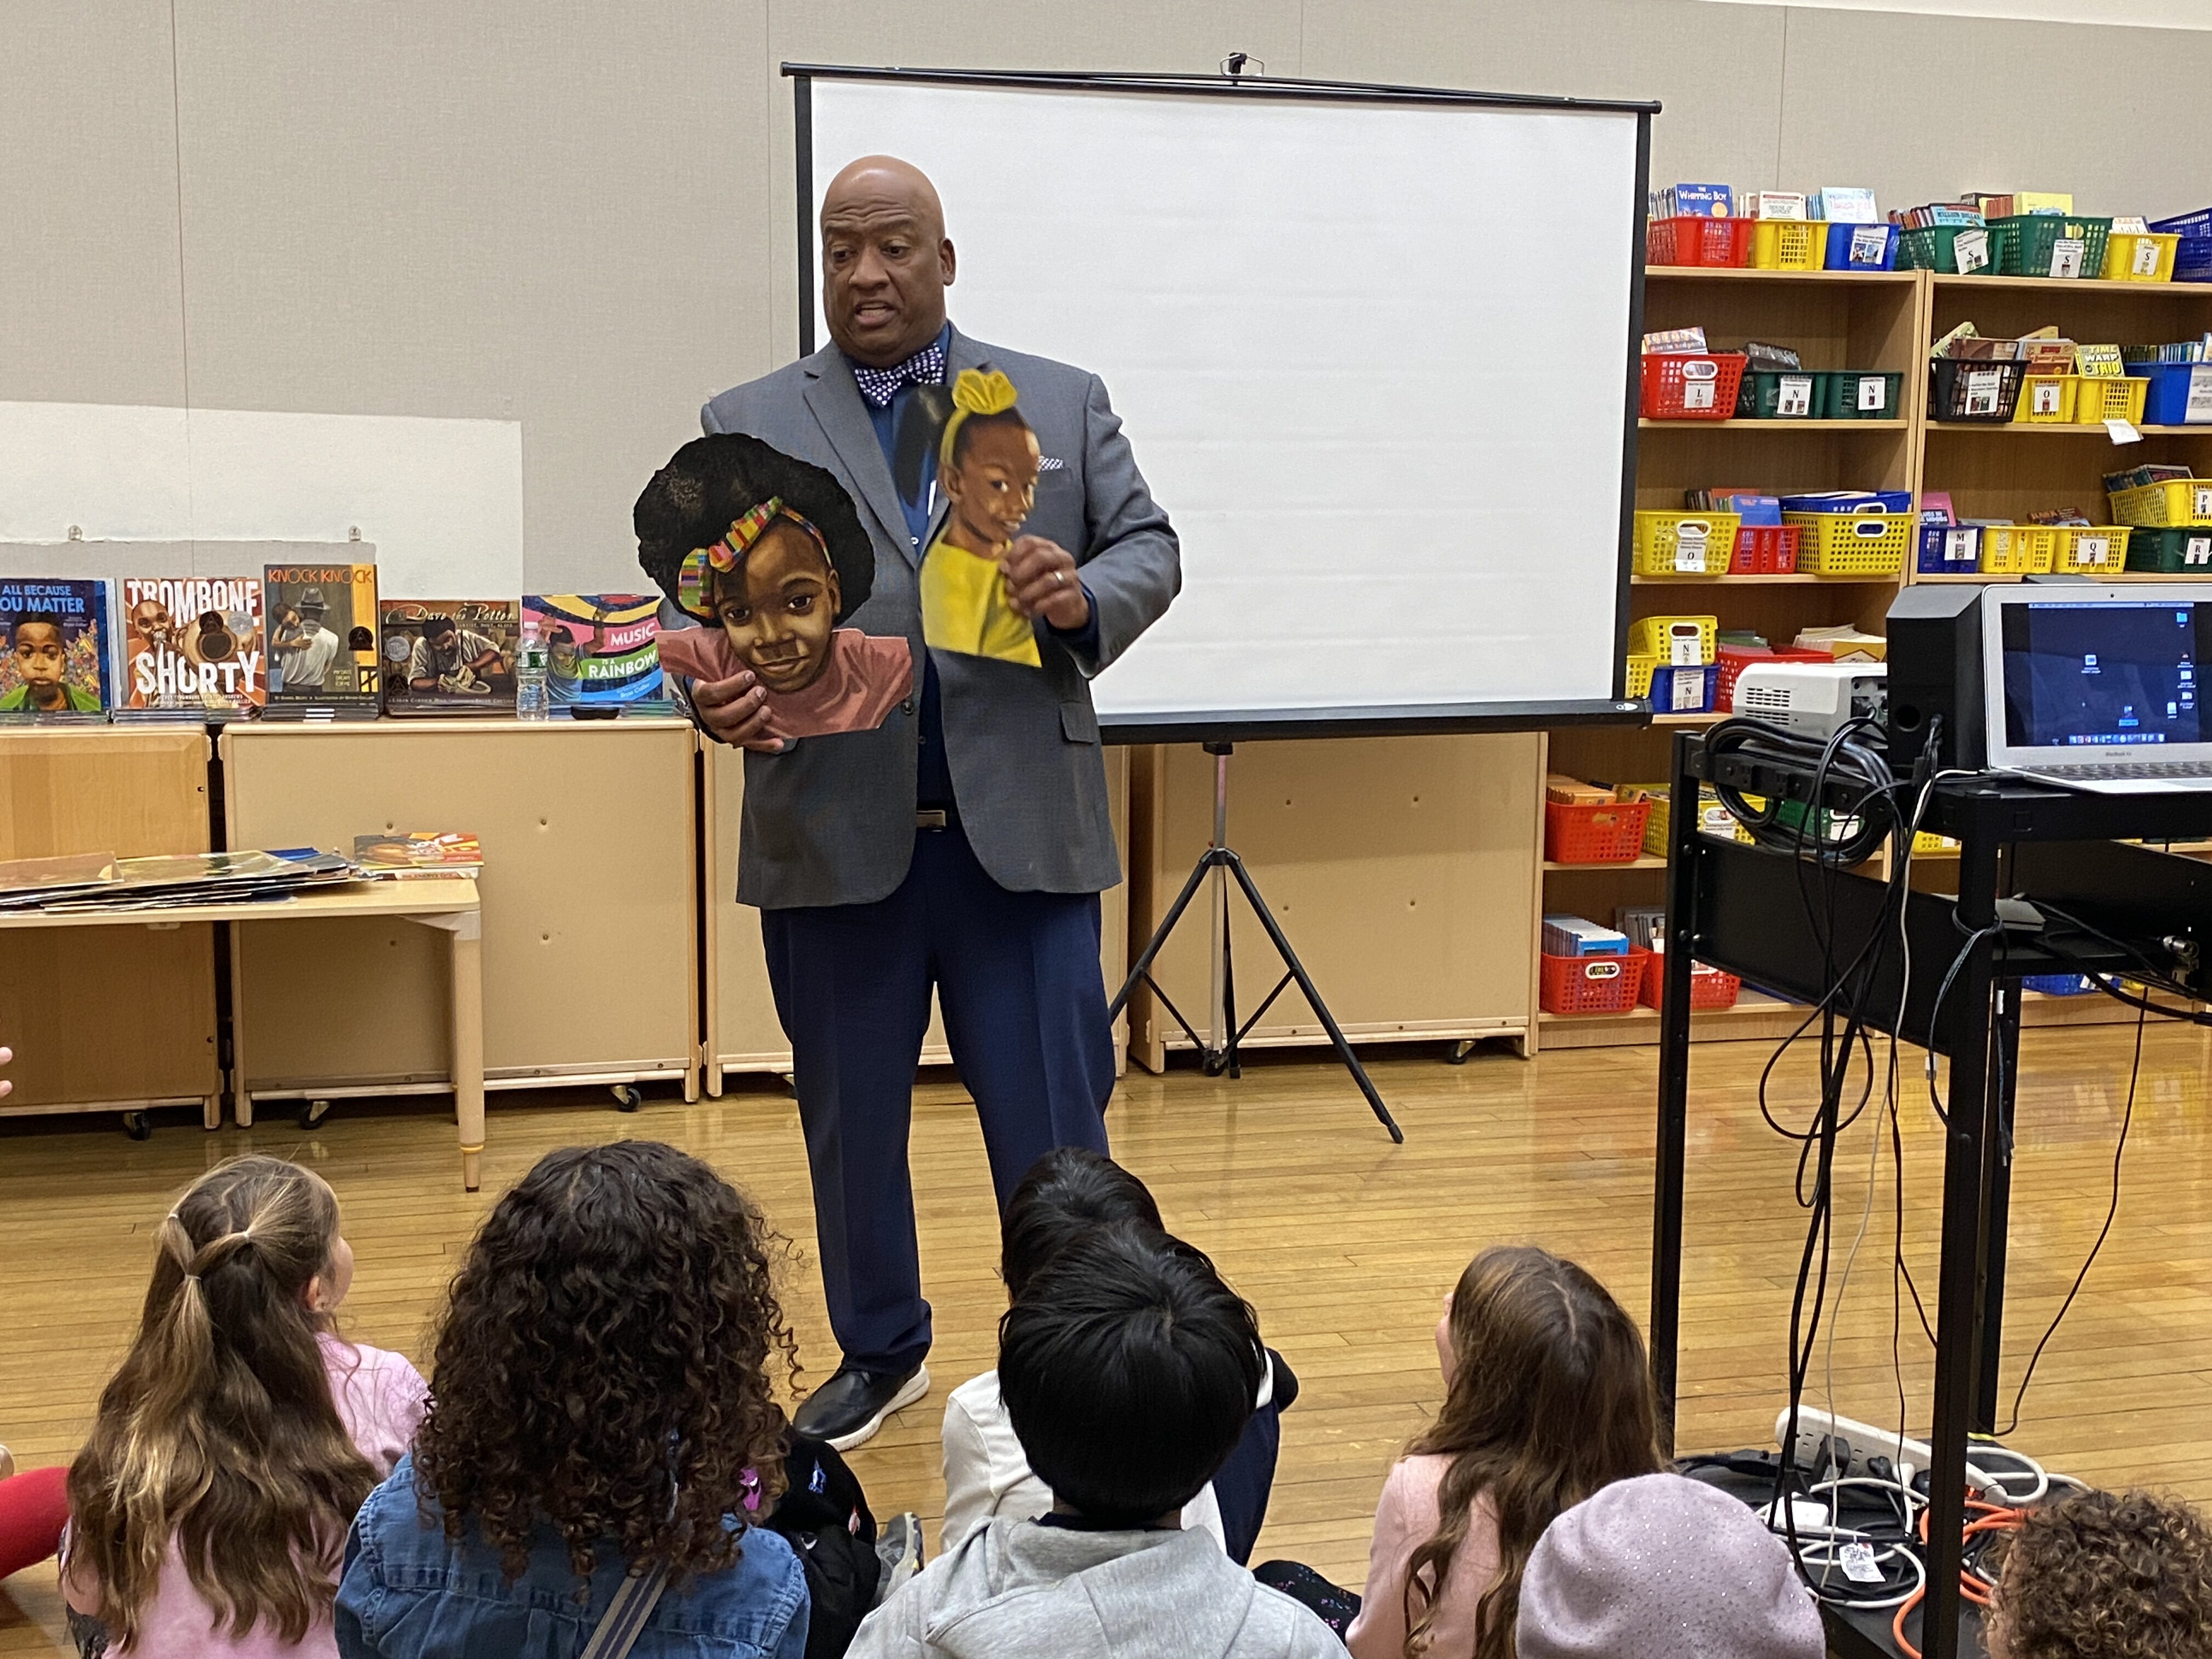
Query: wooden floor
[1345, 1244]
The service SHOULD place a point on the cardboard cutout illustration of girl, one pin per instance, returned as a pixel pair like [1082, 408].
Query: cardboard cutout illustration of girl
[769, 552]
[988, 468]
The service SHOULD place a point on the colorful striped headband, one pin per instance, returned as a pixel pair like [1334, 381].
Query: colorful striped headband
[695, 578]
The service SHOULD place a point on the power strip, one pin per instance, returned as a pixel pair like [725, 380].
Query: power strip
[1856, 1444]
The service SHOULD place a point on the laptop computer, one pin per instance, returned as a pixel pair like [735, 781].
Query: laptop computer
[2100, 687]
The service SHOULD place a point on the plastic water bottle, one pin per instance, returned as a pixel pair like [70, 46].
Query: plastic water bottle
[530, 676]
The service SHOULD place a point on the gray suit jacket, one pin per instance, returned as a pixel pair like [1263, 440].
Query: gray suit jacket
[831, 820]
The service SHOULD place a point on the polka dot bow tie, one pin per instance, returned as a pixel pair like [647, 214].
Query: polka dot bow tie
[880, 385]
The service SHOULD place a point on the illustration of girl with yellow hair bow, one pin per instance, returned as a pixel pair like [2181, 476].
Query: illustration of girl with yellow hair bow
[988, 468]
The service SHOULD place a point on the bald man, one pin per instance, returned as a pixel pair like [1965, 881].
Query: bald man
[962, 846]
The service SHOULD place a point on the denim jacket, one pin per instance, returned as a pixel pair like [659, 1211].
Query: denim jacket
[411, 1593]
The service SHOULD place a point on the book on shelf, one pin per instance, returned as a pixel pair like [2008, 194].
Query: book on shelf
[193, 648]
[418, 853]
[322, 641]
[599, 650]
[53, 651]
[449, 657]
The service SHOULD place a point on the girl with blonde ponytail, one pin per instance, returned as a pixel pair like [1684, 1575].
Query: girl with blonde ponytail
[234, 1445]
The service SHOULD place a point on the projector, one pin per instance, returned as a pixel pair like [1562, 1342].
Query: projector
[1813, 699]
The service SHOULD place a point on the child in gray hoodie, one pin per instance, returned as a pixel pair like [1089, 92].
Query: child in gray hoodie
[1128, 1369]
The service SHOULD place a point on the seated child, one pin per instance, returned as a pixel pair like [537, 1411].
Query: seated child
[987, 466]
[2104, 1575]
[1067, 1194]
[240, 1433]
[1128, 1369]
[602, 1412]
[1663, 1567]
[1547, 1399]
[770, 553]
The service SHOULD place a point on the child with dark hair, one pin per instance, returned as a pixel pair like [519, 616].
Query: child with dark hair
[603, 1422]
[1068, 1194]
[239, 1435]
[1128, 1369]
[769, 552]
[988, 465]
[2104, 1575]
[38, 647]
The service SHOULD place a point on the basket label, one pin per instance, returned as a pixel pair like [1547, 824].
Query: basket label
[1793, 396]
[1692, 536]
[1874, 392]
[1972, 251]
[2047, 394]
[2197, 551]
[1958, 547]
[1686, 645]
[1982, 386]
[2200, 502]
[1686, 692]
[2067, 254]
[2200, 394]
[1696, 394]
[2145, 263]
[2092, 550]
[1598, 968]
[1868, 244]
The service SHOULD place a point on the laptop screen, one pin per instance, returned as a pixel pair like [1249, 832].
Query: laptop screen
[2105, 673]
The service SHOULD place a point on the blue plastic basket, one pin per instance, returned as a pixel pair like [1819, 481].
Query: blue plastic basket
[1886, 501]
[1948, 549]
[1851, 247]
[2058, 985]
[1685, 691]
[2167, 402]
[2192, 259]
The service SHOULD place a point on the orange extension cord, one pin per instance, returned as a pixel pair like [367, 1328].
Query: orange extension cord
[1991, 1517]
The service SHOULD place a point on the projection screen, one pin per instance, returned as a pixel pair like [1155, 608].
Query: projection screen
[1374, 347]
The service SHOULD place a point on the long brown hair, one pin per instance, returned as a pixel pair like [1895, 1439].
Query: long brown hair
[604, 1364]
[1551, 1398]
[219, 1431]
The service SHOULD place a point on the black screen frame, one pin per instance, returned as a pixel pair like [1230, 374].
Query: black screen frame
[1253, 726]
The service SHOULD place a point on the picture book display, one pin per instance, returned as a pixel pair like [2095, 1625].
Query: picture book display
[193, 647]
[598, 648]
[418, 853]
[322, 641]
[53, 650]
[768, 554]
[449, 657]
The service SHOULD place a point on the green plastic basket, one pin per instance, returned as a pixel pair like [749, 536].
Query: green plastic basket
[1935, 247]
[1851, 394]
[2026, 244]
[1779, 394]
[2177, 551]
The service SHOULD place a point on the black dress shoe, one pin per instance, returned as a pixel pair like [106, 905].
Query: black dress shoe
[848, 1409]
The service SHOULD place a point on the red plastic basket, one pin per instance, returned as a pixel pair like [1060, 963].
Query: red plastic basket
[1590, 984]
[1709, 987]
[1693, 241]
[1764, 550]
[1734, 659]
[1692, 386]
[1611, 832]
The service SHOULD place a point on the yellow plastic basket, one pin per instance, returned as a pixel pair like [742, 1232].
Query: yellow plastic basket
[1684, 544]
[1852, 544]
[2100, 550]
[2016, 549]
[2176, 502]
[1927, 840]
[1641, 665]
[2047, 400]
[1791, 245]
[1662, 639]
[2102, 399]
[2140, 257]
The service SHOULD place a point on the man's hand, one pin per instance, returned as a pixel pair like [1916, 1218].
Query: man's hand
[1041, 581]
[735, 710]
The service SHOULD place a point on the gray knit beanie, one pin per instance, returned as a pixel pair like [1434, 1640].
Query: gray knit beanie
[1662, 1567]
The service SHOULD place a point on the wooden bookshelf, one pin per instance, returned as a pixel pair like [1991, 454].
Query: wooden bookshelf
[1875, 320]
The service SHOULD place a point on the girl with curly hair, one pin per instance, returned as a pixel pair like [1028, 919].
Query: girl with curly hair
[602, 1419]
[2104, 1575]
[240, 1435]
[1548, 1398]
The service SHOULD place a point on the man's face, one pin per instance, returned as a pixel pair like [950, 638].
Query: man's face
[779, 622]
[993, 484]
[38, 651]
[444, 639]
[885, 262]
[311, 618]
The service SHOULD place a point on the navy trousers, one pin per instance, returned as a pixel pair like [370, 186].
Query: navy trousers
[1016, 975]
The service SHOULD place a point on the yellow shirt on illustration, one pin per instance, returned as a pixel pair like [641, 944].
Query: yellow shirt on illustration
[964, 608]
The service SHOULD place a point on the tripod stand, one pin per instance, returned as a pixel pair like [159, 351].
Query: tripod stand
[1218, 1049]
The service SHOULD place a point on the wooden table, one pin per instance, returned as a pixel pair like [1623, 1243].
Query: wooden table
[448, 903]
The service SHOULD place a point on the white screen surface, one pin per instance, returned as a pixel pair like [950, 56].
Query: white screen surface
[1372, 357]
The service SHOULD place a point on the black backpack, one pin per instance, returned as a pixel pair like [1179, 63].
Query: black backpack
[823, 1515]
